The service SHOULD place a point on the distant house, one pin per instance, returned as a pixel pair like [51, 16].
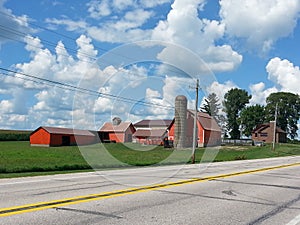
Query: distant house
[209, 132]
[265, 133]
[56, 136]
[117, 132]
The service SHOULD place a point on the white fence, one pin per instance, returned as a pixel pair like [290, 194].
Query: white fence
[237, 142]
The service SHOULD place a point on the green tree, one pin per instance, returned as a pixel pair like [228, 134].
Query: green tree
[212, 107]
[250, 117]
[234, 101]
[288, 111]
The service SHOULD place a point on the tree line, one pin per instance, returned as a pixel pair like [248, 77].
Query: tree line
[238, 118]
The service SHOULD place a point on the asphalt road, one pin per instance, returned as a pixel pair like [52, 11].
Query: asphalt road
[240, 192]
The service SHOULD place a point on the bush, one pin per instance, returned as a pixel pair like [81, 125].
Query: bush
[293, 141]
[240, 157]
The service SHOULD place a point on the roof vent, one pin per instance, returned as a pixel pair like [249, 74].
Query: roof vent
[116, 121]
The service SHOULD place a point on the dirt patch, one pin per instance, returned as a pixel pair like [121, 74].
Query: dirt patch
[236, 148]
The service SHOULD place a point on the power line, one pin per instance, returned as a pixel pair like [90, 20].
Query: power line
[61, 85]
[68, 37]
[60, 34]
[70, 87]
[48, 43]
[17, 33]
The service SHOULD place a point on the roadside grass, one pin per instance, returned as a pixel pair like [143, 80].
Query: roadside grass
[18, 156]
[20, 159]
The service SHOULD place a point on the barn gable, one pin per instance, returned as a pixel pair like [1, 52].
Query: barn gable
[209, 133]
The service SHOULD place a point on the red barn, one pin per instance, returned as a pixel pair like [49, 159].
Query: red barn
[121, 132]
[151, 132]
[152, 124]
[150, 137]
[209, 133]
[56, 136]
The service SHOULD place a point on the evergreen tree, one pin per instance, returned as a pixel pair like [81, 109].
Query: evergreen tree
[212, 107]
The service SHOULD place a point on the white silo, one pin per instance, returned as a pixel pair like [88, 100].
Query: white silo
[180, 121]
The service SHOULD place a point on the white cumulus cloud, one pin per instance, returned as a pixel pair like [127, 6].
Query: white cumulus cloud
[260, 93]
[98, 9]
[260, 22]
[184, 27]
[285, 74]
[221, 89]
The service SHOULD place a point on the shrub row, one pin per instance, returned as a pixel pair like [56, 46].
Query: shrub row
[45, 169]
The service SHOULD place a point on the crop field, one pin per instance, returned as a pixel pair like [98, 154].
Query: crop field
[18, 158]
[14, 135]
[15, 131]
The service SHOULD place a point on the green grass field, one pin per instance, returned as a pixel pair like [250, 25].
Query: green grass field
[20, 159]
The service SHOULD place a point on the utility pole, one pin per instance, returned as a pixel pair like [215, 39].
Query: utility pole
[274, 130]
[195, 136]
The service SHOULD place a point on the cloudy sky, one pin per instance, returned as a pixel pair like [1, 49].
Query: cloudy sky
[81, 63]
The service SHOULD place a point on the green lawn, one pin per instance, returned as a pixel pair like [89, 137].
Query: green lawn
[20, 159]
[18, 156]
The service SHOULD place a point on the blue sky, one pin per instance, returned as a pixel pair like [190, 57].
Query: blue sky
[142, 50]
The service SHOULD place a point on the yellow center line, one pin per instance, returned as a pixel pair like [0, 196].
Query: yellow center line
[104, 195]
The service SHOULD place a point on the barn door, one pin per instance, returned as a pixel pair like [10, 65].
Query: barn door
[66, 140]
[129, 138]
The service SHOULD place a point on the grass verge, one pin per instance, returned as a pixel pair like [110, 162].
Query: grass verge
[20, 159]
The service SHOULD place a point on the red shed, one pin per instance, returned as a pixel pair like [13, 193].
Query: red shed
[151, 132]
[121, 132]
[151, 136]
[56, 136]
[209, 133]
[152, 124]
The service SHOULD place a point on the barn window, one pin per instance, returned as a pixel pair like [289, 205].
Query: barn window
[264, 134]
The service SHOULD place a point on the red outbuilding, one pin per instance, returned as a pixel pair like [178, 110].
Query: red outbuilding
[117, 132]
[150, 137]
[151, 132]
[152, 124]
[56, 136]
